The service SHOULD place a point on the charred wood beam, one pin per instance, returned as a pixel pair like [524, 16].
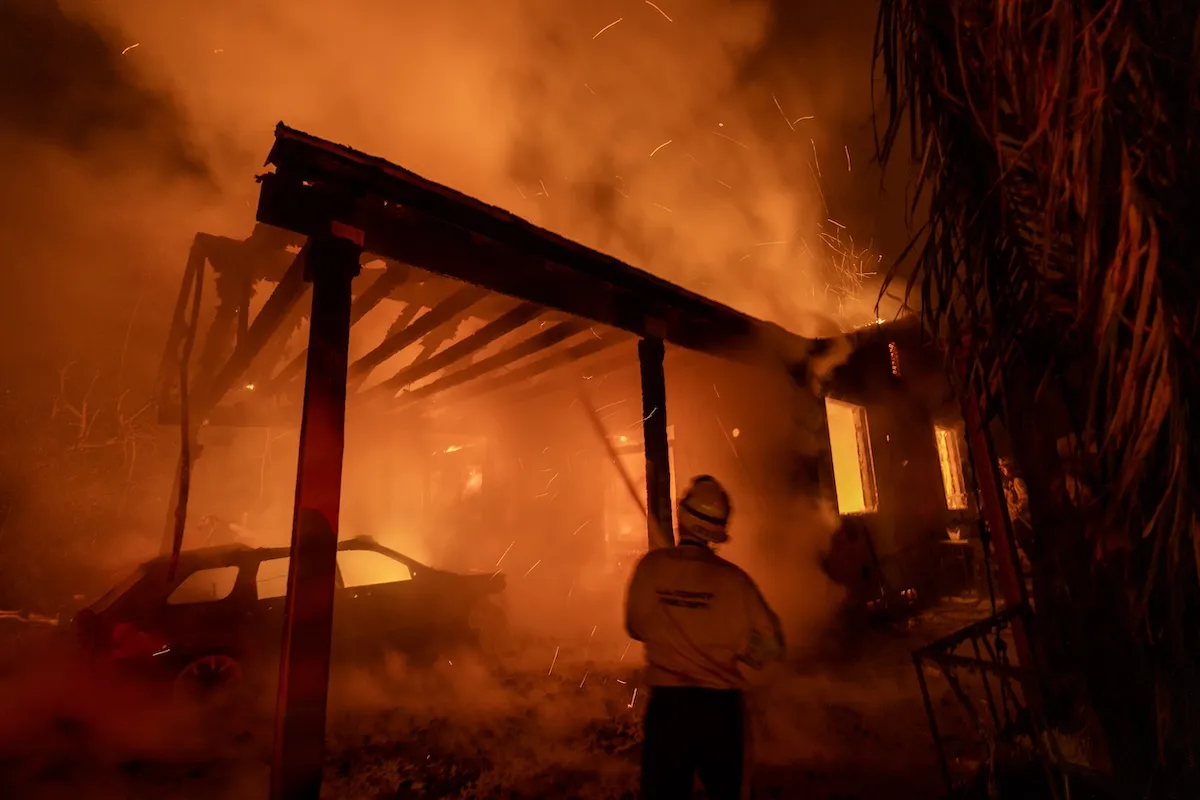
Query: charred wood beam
[448, 309]
[402, 319]
[660, 522]
[245, 293]
[276, 348]
[605, 368]
[463, 239]
[252, 413]
[219, 341]
[236, 264]
[504, 324]
[534, 344]
[392, 278]
[168, 370]
[572, 354]
[268, 321]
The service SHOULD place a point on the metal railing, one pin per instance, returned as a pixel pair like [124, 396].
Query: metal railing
[1002, 707]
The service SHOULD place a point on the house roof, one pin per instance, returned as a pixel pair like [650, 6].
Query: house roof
[549, 301]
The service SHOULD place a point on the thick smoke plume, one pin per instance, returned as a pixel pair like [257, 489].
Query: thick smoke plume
[638, 128]
[722, 144]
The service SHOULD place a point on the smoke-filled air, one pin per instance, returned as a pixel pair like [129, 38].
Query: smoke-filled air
[725, 146]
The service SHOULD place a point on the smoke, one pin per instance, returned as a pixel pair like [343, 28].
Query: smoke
[701, 141]
[639, 129]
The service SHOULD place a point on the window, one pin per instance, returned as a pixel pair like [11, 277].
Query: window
[368, 568]
[894, 354]
[853, 470]
[950, 458]
[204, 586]
[271, 580]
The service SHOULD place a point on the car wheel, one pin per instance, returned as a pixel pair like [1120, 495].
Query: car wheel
[209, 680]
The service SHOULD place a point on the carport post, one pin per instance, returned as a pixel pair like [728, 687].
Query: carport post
[659, 514]
[299, 751]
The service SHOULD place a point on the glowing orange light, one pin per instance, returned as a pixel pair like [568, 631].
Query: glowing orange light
[950, 459]
[853, 469]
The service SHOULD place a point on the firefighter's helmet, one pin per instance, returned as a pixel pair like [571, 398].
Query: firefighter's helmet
[704, 510]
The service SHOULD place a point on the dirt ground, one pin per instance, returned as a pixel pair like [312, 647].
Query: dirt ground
[561, 721]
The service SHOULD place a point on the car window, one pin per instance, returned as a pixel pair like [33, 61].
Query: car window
[271, 580]
[205, 586]
[368, 568]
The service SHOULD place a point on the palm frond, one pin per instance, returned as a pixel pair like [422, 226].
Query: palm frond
[1059, 140]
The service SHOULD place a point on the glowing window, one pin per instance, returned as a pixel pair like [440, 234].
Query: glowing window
[853, 470]
[950, 458]
[894, 354]
[204, 586]
[271, 580]
[368, 568]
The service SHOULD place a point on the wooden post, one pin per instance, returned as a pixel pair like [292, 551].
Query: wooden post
[660, 515]
[299, 751]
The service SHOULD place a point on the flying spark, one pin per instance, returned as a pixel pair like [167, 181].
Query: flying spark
[634, 700]
[815, 161]
[849, 168]
[660, 147]
[726, 185]
[544, 190]
[785, 119]
[127, 49]
[659, 10]
[802, 119]
[590, 89]
[581, 527]
[626, 650]
[730, 138]
[555, 661]
[510, 547]
[582, 682]
[664, 208]
[606, 27]
[531, 569]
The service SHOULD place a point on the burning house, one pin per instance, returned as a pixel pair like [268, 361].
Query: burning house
[902, 473]
[487, 396]
[466, 380]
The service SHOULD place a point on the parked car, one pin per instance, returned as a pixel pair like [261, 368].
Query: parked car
[219, 620]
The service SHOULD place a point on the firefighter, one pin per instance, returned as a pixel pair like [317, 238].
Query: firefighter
[701, 618]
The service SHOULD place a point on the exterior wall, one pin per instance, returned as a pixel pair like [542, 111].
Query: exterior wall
[902, 544]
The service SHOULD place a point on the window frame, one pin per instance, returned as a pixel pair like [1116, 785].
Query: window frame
[233, 587]
[866, 458]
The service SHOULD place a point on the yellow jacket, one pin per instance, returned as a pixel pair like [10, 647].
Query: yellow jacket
[699, 617]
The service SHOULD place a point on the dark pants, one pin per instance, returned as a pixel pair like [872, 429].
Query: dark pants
[690, 731]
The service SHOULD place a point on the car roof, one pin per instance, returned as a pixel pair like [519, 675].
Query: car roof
[238, 553]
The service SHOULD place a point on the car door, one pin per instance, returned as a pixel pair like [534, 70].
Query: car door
[378, 605]
[205, 612]
[270, 599]
[270, 585]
